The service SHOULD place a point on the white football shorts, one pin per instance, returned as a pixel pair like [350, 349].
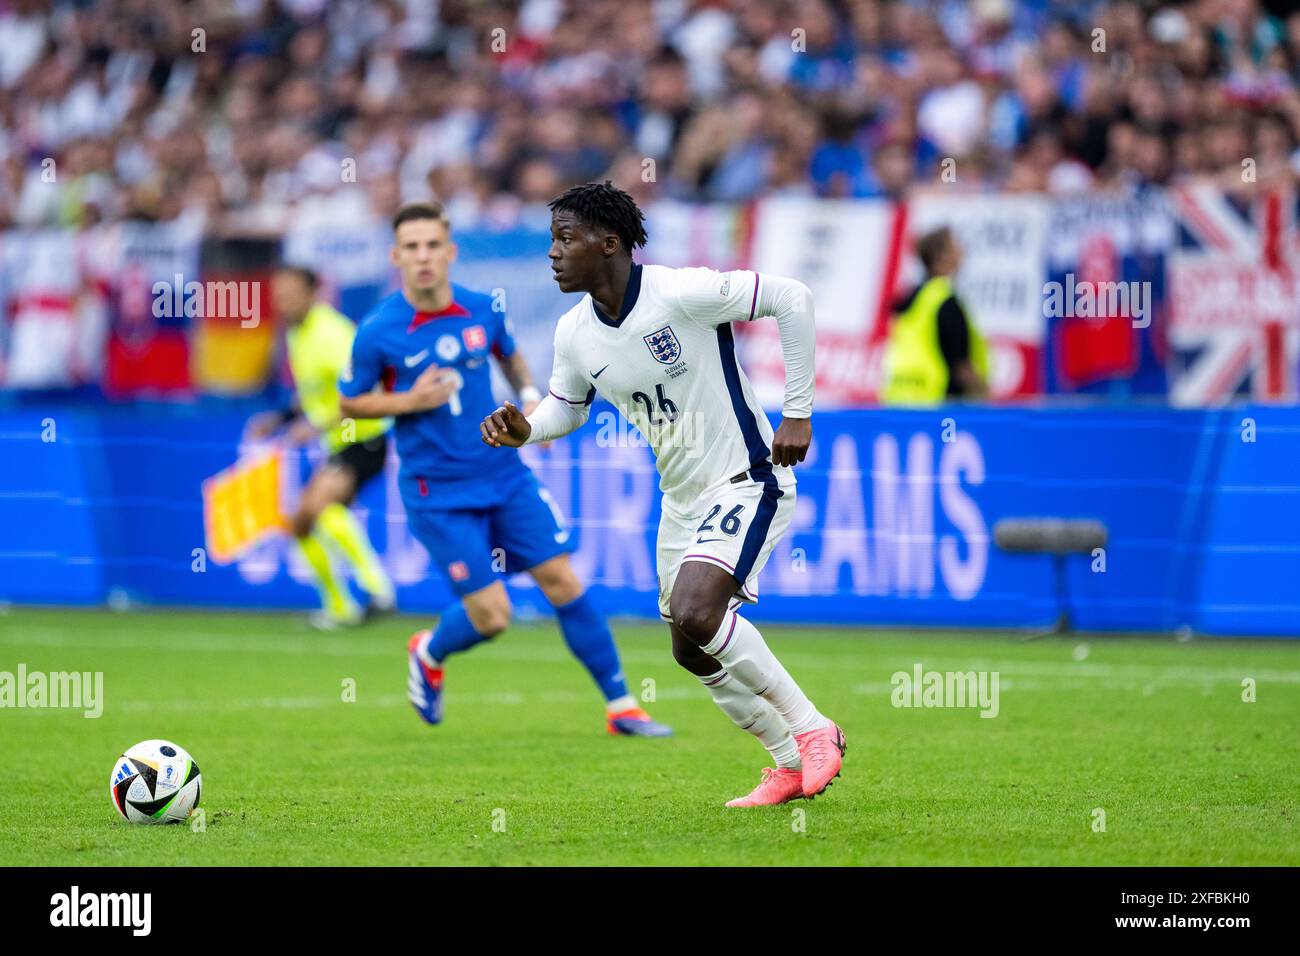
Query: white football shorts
[735, 526]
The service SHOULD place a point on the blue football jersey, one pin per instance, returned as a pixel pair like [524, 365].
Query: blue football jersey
[444, 462]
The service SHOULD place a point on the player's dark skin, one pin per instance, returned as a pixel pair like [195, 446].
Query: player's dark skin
[587, 258]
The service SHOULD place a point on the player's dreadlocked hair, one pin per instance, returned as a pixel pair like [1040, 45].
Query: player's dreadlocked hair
[606, 206]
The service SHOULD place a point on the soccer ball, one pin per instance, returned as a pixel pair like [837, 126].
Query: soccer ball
[155, 782]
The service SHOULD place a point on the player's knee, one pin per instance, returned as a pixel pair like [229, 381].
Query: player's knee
[687, 654]
[492, 620]
[558, 582]
[696, 619]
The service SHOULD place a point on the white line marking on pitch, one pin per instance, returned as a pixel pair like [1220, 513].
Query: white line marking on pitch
[315, 645]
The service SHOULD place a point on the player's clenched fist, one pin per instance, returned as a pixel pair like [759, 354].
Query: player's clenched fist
[506, 426]
[791, 441]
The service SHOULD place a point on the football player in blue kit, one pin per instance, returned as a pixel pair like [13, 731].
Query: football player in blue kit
[421, 357]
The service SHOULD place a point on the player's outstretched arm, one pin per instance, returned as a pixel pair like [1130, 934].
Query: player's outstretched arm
[551, 419]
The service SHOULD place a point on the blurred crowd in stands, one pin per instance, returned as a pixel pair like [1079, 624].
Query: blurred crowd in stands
[253, 113]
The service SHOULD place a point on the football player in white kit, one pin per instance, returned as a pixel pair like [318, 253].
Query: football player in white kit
[657, 343]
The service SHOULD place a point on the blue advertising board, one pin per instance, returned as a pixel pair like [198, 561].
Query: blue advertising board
[893, 524]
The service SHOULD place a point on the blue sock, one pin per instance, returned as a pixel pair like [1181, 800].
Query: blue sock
[591, 642]
[454, 633]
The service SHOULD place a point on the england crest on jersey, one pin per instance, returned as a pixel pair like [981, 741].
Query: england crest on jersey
[664, 346]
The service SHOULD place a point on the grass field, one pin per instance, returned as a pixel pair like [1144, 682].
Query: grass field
[1154, 733]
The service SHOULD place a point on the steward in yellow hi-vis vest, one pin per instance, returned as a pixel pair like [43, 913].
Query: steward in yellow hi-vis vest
[320, 347]
[319, 339]
[934, 352]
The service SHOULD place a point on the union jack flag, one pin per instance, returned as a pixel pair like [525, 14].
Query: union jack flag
[1234, 292]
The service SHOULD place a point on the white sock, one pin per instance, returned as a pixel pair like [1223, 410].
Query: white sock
[620, 704]
[754, 715]
[740, 649]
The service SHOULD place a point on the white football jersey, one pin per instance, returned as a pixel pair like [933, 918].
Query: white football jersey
[669, 365]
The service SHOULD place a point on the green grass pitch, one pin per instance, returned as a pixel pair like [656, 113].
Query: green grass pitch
[1153, 732]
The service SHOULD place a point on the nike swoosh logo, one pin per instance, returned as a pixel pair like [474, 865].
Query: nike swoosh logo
[707, 540]
[600, 373]
[414, 360]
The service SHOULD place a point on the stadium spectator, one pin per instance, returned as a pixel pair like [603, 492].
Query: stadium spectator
[253, 115]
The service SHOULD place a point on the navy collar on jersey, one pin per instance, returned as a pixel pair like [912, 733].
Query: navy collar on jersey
[454, 310]
[629, 299]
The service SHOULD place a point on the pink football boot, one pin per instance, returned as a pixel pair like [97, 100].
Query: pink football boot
[778, 786]
[822, 752]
